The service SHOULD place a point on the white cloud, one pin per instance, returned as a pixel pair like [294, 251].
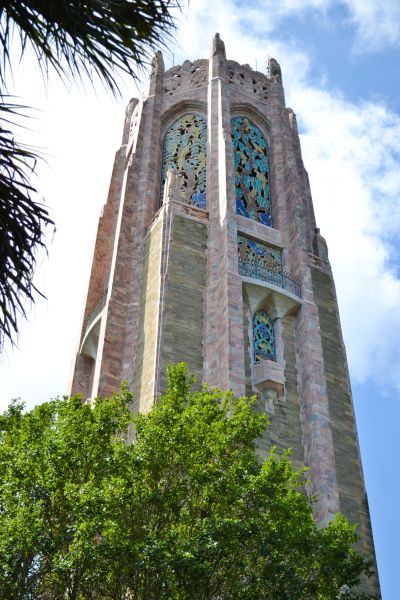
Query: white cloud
[377, 23]
[243, 33]
[356, 188]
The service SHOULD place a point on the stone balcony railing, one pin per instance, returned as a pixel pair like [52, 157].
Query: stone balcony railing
[257, 270]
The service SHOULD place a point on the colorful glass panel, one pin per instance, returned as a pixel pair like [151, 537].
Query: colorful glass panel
[263, 337]
[259, 254]
[185, 146]
[251, 171]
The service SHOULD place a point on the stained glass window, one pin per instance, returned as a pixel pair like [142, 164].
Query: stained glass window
[251, 171]
[259, 254]
[185, 145]
[263, 337]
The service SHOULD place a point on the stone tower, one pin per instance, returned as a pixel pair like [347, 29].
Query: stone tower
[207, 251]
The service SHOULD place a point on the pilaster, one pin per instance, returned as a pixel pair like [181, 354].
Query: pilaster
[83, 370]
[223, 310]
[139, 198]
[312, 386]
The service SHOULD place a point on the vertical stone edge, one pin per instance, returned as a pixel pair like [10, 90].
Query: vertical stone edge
[351, 486]
[139, 202]
[315, 417]
[223, 304]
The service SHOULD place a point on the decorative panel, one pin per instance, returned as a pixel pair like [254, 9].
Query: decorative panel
[185, 146]
[251, 171]
[263, 337]
[259, 254]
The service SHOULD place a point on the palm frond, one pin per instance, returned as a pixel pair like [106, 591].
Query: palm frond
[79, 39]
[87, 37]
[22, 225]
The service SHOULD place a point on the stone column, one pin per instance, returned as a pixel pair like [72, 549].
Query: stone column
[84, 366]
[139, 199]
[223, 313]
[279, 347]
[166, 215]
[312, 387]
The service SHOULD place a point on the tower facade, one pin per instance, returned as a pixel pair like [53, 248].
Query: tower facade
[207, 252]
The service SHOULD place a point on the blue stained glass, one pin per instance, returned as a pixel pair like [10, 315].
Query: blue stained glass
[263, 337]
[254, 252]
[240, 208]
[199, 200]
[264, 219]
[251, 171]
[185, 146]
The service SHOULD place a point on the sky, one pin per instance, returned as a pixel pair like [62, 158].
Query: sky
[340, 63]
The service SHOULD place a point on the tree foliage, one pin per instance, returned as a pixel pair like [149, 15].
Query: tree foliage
[79, 39]
[185, 510]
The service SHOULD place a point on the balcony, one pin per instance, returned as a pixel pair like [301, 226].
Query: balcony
[256, 269]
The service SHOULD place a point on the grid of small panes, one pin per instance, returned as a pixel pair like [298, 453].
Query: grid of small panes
[185, 150]
[253, 199]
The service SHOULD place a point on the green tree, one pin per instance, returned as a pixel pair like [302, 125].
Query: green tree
[185, 510]
[79, 39]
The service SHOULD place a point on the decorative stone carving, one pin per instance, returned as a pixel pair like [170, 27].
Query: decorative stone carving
[218, 46]
[270, 398]
[320, 246]
[198, 73]
[134, 124]
[187, 76]
[157, 63]
[274, 69]
[269, 375]
[245, 77]
[128, 119]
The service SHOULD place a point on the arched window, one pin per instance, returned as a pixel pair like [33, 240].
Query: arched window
[185, 146]
[253, 199]
[263, 337]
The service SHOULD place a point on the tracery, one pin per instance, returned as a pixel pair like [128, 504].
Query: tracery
[251, 171]
[184, 151]
[263, 337]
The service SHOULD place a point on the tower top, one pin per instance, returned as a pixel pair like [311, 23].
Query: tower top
[179, 81]
[237, 73]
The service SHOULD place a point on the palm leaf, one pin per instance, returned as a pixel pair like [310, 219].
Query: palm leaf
[79, 39]
[86, 37]
[22, 225]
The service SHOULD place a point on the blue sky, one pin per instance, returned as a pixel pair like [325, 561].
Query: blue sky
[341, 71]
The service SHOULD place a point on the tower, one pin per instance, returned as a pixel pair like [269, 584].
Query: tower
[207, 251]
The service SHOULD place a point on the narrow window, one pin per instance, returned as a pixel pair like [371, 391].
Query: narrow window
[184, 150]
[263, 337]
[253, 199]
